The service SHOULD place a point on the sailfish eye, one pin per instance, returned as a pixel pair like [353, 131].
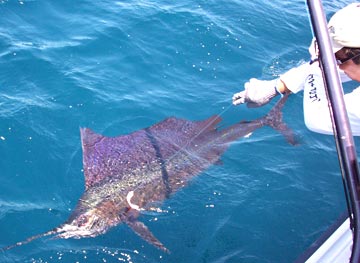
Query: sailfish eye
[82, 220]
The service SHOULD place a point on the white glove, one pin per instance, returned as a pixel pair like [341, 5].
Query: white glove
[257, 93]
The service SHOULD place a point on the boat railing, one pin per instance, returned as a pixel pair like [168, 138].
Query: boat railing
[342, 131]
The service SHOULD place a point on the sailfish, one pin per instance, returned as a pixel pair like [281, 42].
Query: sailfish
[128, 174]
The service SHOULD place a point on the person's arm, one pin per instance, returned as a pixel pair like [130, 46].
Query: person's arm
[257, 92]
[282, 88]
[294, 79]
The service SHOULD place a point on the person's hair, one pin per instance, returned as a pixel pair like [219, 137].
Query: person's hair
[350, 52]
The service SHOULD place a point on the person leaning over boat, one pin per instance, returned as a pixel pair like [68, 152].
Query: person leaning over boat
[344, 30]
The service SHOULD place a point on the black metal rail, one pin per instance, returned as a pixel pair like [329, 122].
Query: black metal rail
[342, 131]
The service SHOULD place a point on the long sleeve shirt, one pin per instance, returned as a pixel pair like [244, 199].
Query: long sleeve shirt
[316, 112]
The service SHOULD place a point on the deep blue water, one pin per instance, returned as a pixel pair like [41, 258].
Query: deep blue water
[119, 66]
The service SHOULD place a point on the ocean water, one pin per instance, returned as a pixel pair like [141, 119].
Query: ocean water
[120, 66]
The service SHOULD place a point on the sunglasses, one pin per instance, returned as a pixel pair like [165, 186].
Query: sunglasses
[344, 60]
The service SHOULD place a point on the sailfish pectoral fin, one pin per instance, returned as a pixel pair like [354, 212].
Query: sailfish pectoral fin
[142, 230]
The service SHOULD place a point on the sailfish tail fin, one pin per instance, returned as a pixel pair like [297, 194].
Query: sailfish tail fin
[274, 119]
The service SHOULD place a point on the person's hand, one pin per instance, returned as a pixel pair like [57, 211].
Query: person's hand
[257, 93]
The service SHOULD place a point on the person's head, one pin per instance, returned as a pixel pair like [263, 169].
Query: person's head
[344, 31]
[349, 61]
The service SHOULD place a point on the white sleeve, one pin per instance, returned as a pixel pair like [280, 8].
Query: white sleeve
[295, 78]
[316, 110]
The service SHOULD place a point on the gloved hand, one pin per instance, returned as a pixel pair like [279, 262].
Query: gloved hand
[257, 93]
